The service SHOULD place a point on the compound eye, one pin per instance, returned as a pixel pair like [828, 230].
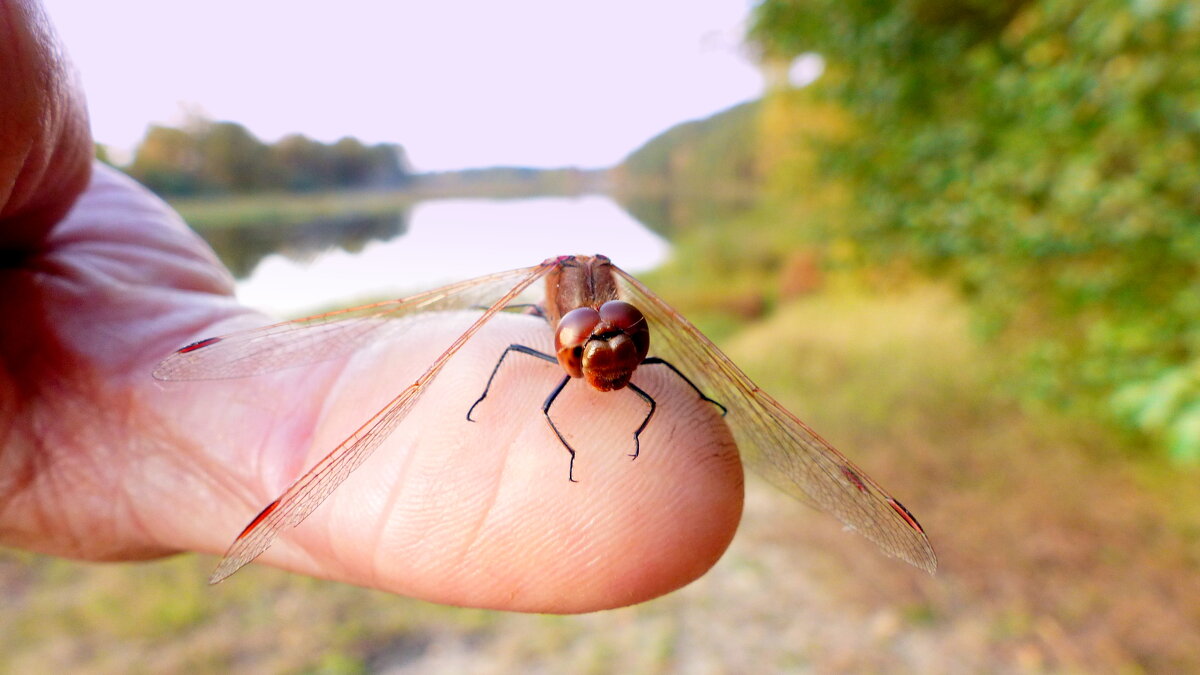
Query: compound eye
[628, 319]
[621, 315]
[573, 331]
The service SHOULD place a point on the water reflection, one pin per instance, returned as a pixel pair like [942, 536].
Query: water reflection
[449, 240]
[243, 248]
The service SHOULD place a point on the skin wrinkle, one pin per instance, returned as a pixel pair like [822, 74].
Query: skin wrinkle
[390, 507]
[45, 98]
[382, 524]
[40, 465]
[295, 436]
[91, 473]
[17, 64]
[473, 541]
[535, 371]
[221, 485]
[314, 454]
[90, 278]
[12, 474]
[469, 543]
[597, 560]
[84, 273]
[543, 377]
[342, 382]
[129, 508]
[117, 195]
[64, 399]
[242, 494]
[60, 475]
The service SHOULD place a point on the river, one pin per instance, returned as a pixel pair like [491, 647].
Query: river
[436, 242]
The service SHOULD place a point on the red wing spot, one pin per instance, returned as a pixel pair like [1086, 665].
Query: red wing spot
[853, 478]
[259, 518]
[912, 522]
[198, 345]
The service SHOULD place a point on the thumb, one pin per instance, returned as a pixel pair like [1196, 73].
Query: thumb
[45, 144]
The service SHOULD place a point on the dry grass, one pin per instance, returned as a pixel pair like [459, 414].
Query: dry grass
[1057, 552]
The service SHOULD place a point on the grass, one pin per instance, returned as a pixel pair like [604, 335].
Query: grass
[1039, 520]
[282, 210]
[1054, 557]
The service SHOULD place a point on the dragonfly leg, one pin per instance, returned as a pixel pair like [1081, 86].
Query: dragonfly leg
[654, 360]
[511, 348]
[528, 308]
[637, 443]
[546, 411]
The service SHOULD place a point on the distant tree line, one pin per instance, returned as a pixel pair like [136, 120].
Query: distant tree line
[206, 157]
[512, 181]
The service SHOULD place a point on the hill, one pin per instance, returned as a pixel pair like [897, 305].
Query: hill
[700, 164]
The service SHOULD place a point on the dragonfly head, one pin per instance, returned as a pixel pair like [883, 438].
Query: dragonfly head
[603, 346]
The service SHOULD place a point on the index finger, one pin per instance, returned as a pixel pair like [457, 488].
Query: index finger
[483, 514]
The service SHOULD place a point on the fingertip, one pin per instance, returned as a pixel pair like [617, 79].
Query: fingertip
[484, 514]
[628, 530]
[669, 515]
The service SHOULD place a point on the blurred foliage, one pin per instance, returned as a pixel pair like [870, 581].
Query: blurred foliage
[1043, 155]
[206, 157]
[102, 154]
[701, 170]
[680, 156]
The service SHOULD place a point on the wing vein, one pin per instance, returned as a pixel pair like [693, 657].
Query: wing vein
[311, 489]
[774, 442]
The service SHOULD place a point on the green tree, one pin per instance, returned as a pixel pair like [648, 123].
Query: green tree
[301, 163]
[223, 157]
[167, 161]
[1043, 154]
[232, 159]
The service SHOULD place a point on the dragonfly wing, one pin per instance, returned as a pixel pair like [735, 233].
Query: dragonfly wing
[774, 442]
[326, 336]
[304, 495]
[299, 500]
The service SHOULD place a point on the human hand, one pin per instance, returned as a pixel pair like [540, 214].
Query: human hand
[100, 462]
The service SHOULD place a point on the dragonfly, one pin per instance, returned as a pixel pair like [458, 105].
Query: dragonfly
[607, 324]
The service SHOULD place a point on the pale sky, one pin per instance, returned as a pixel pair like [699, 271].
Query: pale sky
[458, 84]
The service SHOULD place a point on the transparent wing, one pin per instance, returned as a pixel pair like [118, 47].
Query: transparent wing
[324, 336]
[774, 442]
[299, 500]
